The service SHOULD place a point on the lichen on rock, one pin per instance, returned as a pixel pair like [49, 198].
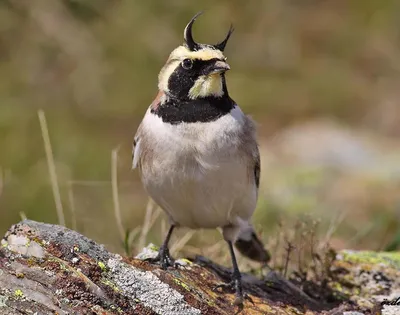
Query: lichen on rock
[48, 269]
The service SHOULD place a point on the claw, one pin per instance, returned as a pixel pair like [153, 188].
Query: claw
[235, 286]
[248, 298]
[228, 286]
[163, 259]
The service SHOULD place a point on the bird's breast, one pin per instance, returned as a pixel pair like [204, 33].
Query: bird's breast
[196, 173]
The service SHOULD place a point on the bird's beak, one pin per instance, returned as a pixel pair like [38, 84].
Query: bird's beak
[219, 67]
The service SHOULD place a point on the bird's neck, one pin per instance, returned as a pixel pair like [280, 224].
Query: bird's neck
[205, 109]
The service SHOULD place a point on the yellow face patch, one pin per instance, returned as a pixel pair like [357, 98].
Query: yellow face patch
[210, 85]
[204, 85]
[182, 52]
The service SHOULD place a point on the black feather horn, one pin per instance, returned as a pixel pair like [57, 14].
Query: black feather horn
[187, 34]
[221, 45]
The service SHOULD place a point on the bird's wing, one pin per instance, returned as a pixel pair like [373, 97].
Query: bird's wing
[136, 149]
[257, 167]
[248, 243]
[250, 150]
[137, 141]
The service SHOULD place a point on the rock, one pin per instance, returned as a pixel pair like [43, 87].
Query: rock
[47, 269]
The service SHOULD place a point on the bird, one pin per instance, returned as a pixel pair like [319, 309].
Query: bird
[197, 153]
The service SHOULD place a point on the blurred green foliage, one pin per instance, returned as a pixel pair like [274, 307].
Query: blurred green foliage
[92, 66]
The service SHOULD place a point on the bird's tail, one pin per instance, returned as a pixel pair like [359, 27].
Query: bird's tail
[249, 245]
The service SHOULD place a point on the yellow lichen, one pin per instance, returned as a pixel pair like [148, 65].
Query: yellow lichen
[101, 265]
[186, 261]
[110, 284]
[18, 293]
[154, 248]
[182, 284]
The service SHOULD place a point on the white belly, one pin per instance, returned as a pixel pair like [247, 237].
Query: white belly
[198, 176]
[199, 198]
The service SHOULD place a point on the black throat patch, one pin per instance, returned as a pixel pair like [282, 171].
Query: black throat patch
[175, 111]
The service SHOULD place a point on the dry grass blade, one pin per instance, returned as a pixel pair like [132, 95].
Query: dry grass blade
[114, 185]
[129, 239]
[133, 234]
[52, 167]
[148, 221]
[1, 181]
[333, 225]
[71, 201]
[163, 227]
[182, 241]
[23, 216]
[91, 183]
[155, 216]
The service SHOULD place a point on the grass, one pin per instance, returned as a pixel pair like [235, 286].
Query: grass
[114, 185]
[52, 167]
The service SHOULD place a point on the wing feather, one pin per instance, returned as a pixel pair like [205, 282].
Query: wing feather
[136, 151]
[257, 169]
[251, 151]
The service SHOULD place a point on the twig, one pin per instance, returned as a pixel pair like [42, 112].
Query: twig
[289, 249]
[114, 185]
[52, 167]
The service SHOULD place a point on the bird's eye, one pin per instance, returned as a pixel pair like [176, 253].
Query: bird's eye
[187, 64]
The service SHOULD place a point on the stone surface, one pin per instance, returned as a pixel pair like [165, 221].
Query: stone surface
[47, 269]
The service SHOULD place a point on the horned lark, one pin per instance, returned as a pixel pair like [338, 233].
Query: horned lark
[197, 152]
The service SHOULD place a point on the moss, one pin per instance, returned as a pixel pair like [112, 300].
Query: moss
[338, 287]
[390, 259]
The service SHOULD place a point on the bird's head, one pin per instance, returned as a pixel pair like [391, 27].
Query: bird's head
[195, 70]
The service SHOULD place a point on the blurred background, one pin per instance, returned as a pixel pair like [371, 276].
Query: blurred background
[320, 77]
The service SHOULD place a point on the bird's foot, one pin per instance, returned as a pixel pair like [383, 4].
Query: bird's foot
[163, 259]
[235, 286]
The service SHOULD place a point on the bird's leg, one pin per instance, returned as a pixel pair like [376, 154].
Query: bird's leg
[236, 280]
[236, 277]
[163, 257]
